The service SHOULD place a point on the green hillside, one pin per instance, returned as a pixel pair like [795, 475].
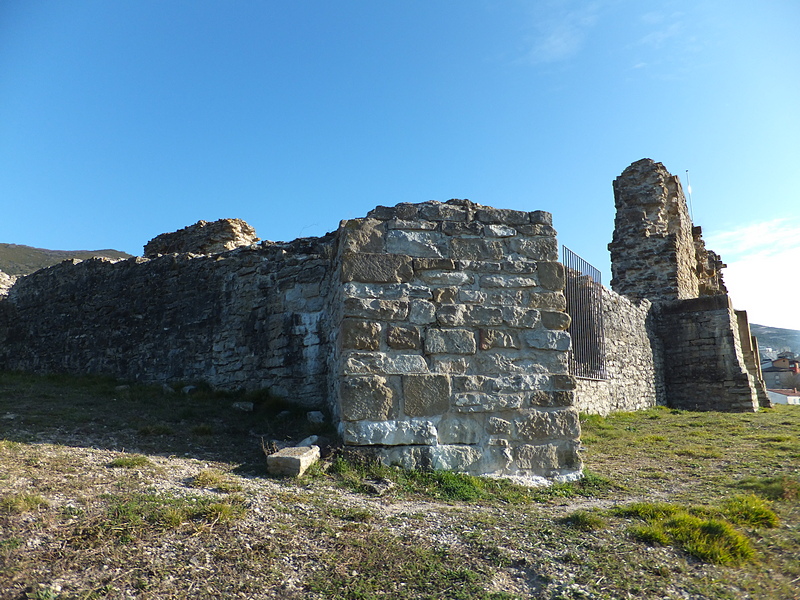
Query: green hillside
[16, 259]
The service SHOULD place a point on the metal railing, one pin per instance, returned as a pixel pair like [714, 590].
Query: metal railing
[584, 294]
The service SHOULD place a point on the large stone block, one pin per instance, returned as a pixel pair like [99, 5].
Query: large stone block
[553, 301]
[292, 461]
[366, 398]
[404, 337]
[545, 339]
[551, 275]
[487, 214]
[426, 395]
[544, 458]
[457, 278]
[362, 235]
[376, 268]
[361, 335]
[475, 402]
[555, 320]
[450, 341]
[476, 249]
[388, 433]
[541, 425]
[460, 429]
[422, 312]
[382, 310]
[415, 243]
[540, 249]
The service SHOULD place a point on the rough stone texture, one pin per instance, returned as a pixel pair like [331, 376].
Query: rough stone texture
[292, 461]
[469, 313]
[701, 348]
[203, 238]
[633, 360]
[6, 282]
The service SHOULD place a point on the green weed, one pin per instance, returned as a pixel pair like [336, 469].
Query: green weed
[584, 521]
[21, 503]
[130, 462]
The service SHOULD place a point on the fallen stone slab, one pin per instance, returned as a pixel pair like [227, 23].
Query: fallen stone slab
[292, 461]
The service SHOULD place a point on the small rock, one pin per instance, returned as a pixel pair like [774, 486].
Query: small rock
[284, 414]
[377, 486]
[309, 441]
[315, 416]
[188, 389]
[244, 406]
[167, 389]
[122, 388]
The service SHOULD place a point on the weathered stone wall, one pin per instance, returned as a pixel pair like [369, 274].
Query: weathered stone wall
[658, 255]
[704, 368]
[250, 318]
[452, 350]
[652, 251]
[633, 360]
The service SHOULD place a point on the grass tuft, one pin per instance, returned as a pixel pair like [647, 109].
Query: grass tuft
[749, 510]
[130, 462]
[584, 521]
[21, 503]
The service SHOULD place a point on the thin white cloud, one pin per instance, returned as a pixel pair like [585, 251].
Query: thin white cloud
[761, 275]
[560, 34]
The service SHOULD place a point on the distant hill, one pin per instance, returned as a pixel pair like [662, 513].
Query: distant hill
[16, 259]
[776, 338]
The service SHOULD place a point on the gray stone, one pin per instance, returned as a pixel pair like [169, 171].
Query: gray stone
[404, 364]
[315, 417]
[426, 395]
[497, 426]
[446, 277]
[496, 338]
[389, 310]
[555, 320]
[507, 281]
[450, 341]
[422, 312]
[500, 231]
[388, 433]
[243, 406]
[541, 425]
[544, 339]
[460, 429]
[551, 275]
[473, 402]
[414, 243]
[476, 249]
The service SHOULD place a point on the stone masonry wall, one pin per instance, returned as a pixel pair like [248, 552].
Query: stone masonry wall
[633, 360]
[452, 350]
[250, 318]
[652, 251]
[704, 365]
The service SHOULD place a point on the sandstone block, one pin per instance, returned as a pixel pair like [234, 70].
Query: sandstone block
[457, 278]
[404, 337]
[376, 268]
[555, 320]
[541, 217]
[403, 364]
[415, 243]
[557, 398]
[541, 249]
[544, 339]
[544, 458]
[507, 281]
[362, 235]
[366, 398]
[523, 318]
[292, 461]
[472, 402]
[476, 249]
[437, 211]
[447, 295]
[434, 264]
[540, 425]
[488, 214]
[382, 310]
[462, 459]
[496, 338]
[418, 224]
[551, 275]
[553, 301]
[361, 335]
[388, 433]
[426, 395]
[454, 228]
[450, 341]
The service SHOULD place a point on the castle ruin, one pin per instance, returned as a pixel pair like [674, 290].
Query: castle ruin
[437, 334]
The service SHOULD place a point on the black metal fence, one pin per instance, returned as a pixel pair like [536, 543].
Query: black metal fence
[585, 305]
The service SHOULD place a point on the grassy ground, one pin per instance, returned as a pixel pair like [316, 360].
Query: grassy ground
[134, 492]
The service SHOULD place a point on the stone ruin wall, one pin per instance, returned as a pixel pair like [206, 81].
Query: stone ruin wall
[248, 318]
[435, 332]
[658, 255]
[452, 350]
[633, 360]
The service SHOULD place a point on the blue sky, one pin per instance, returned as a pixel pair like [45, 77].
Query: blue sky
[122, 120]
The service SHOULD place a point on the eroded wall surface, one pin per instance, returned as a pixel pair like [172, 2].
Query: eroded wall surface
[251, 318]
[633, 360]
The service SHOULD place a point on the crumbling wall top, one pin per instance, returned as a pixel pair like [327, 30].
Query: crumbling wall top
[203, 238]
